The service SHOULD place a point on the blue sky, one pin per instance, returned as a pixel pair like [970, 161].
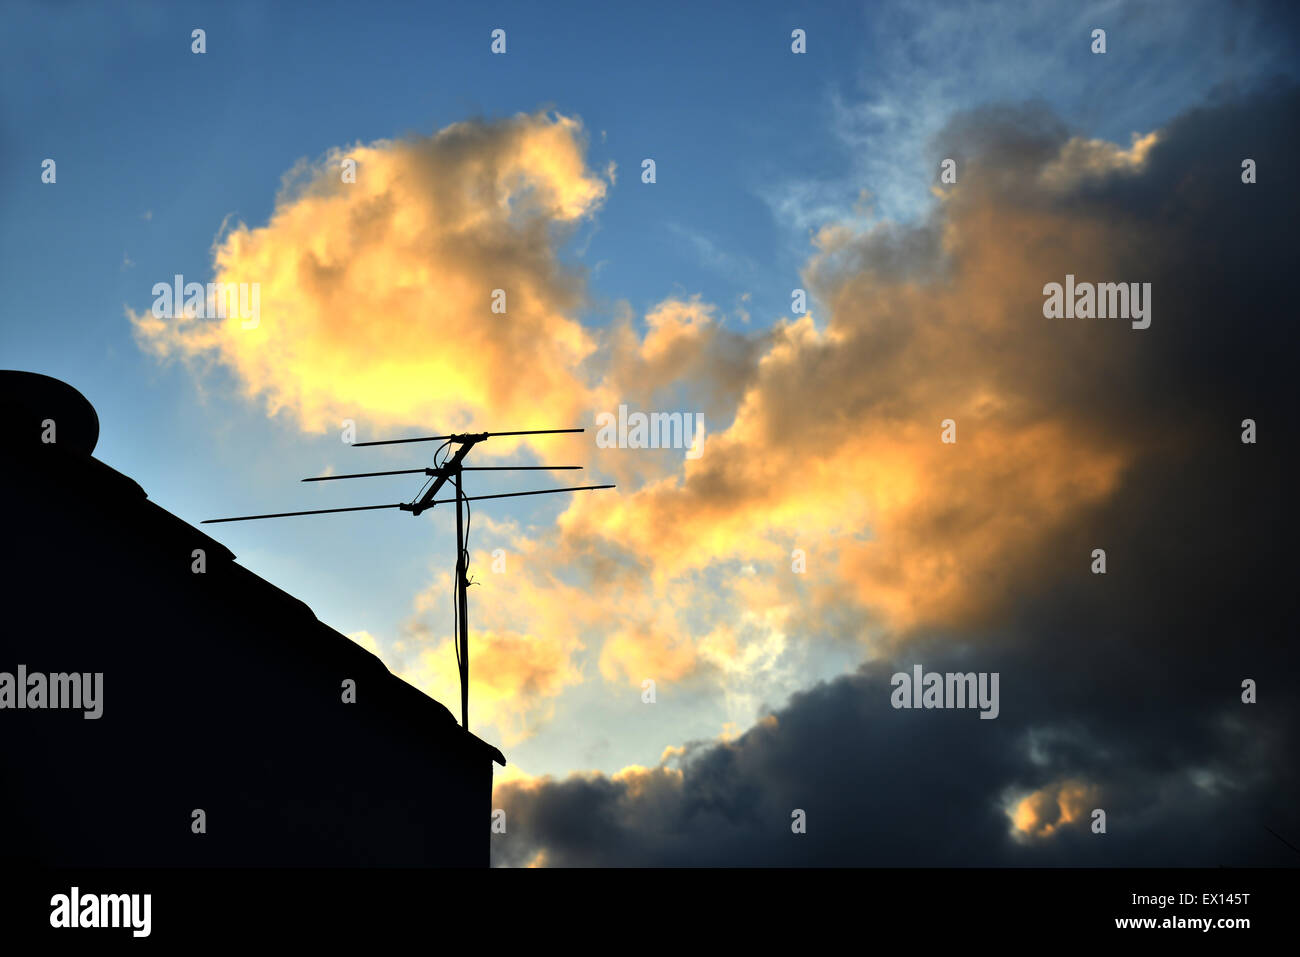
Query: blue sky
[755, 147]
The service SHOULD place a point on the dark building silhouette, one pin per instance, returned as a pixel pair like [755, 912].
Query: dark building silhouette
[220, 692]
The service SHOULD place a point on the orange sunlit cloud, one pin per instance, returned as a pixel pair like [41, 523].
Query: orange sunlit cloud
[835, 448]
[1051, 808]
[376, 295]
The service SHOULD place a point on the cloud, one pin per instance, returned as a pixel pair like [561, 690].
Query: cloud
[376, 305]
[833, 431]
[834, 446]
[376, 296]
[885, 787]
[891, 125]
[514, 678]
[526, 635]
[837, 429]
[1122, 689]
[1052, 807]
[712, 256]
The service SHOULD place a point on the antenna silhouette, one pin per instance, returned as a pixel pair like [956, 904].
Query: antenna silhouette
[448, 469]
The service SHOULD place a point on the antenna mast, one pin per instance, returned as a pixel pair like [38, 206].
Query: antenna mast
[452, 469]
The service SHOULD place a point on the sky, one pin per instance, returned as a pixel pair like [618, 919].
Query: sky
[824, 537]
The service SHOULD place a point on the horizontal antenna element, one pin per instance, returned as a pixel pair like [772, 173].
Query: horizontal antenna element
[465, 436]
[464, 468]
[331, 478]
[314, 511]
[475, 498]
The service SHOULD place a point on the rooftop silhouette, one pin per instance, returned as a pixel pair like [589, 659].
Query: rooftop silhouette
[218, 692]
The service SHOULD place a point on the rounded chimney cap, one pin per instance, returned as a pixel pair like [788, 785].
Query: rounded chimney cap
[29, 399]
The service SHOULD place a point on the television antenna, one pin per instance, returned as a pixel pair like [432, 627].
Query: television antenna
[450, 468]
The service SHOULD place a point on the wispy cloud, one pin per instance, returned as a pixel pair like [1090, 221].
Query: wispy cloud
[711, 255]
[956, 56]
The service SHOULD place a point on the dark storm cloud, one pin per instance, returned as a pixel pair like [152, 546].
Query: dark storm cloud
[1120, 691]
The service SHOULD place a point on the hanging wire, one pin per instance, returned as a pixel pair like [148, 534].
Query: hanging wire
[436, 465]
[469, 518]
[462, 568]
[455, 622]
[455, 602]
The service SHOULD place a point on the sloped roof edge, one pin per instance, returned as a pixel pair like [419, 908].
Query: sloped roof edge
[35, 397]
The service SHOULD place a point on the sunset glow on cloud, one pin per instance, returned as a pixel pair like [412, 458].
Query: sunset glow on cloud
[1042, 813]
[366, 285]
[833, 441]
